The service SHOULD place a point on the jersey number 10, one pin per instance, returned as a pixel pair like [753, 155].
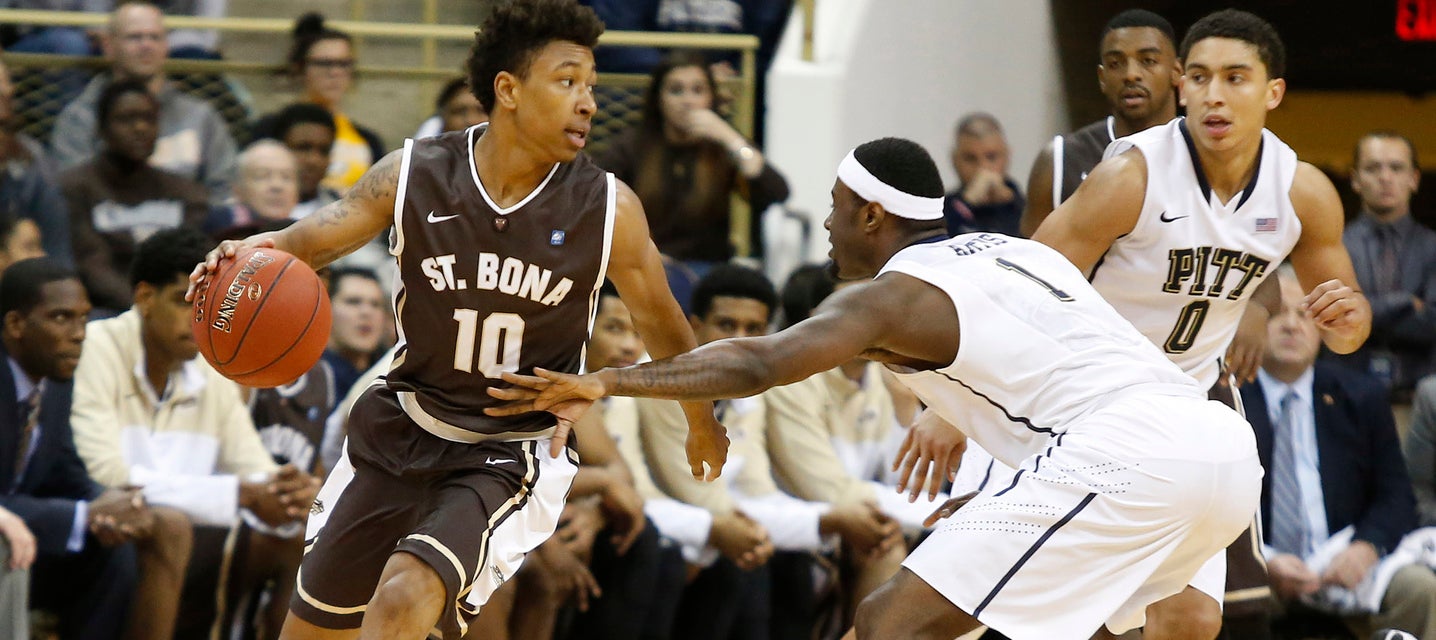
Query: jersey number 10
[499, 343]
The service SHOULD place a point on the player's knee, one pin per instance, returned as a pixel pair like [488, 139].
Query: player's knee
[408, 584]
[1191, 617]
[872, 619]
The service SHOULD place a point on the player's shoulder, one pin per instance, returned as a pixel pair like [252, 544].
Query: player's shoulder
[1311, 188]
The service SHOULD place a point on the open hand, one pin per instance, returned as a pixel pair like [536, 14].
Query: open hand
[565, 395]
[931, 446]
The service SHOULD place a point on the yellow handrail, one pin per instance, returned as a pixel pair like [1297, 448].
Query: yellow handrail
[808, 7]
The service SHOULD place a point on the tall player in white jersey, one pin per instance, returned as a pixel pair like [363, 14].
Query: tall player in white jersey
[1128, 477]
[1181, 223]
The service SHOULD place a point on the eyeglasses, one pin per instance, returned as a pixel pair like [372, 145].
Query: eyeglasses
[339, 64]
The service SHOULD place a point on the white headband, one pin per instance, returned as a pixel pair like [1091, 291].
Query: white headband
[896, 202]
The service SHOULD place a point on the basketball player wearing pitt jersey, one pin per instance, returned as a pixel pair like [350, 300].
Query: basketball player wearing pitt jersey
[503, 235]
[1182, 222]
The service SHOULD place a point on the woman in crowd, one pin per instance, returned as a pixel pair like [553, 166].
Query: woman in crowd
[456, 109]
[684, 161]
[323, 59]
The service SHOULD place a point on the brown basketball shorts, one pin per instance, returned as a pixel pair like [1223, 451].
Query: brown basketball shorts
[469, 511]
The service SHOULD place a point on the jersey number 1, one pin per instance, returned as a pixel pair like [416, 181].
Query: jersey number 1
[499, 345]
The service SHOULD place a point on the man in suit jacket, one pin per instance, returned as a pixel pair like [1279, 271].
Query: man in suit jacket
[85, 569]
[1395, 262]
[1328, 441]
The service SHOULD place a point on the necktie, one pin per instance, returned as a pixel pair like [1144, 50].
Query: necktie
[1288, 519]
[31, 410]
[1388, 267]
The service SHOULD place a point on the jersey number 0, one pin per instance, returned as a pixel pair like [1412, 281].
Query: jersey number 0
[501, 339]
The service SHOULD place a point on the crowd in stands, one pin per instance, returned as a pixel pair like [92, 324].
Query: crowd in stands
[146, 496]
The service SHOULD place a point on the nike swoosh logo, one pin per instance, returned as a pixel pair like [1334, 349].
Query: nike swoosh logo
[499, 461]
[1164, 217]
[434, 218]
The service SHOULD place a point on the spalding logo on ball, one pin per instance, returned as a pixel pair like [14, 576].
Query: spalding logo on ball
[262, 318]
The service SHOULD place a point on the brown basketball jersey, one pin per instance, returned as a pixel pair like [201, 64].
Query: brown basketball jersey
[290, 418]
[485, 290]
[1076, 154]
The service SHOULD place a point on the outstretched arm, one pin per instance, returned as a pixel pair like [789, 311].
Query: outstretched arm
[847, 324]
[1323, 266]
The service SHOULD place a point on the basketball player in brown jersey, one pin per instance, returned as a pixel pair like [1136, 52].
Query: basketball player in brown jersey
[503, 234]
[1110, 228]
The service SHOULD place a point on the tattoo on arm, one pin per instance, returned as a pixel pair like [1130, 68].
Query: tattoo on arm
[379, 183]
[713, 372]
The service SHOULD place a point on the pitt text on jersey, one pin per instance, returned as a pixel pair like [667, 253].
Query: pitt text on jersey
[507, 275]
[1203, 272]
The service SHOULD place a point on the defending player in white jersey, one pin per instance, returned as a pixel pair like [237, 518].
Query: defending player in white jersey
[1128, 477]
[1181, 224]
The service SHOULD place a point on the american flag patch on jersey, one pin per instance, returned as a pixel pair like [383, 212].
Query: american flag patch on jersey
[1266, 225]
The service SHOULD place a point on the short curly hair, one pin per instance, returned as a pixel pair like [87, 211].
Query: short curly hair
[167, 255]
[1246, 27]
[516, 31]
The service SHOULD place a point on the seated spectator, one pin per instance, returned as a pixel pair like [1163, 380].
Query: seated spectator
[117, 199]
[1395, 262]
[323, 60]
[28, 179]
[357, 301]
[456, 109]
[693, 536]
[986, 199]
[148, 412]
[685, 161]
[267, 191]
[308, 131]
[19, 240]
[85, 537]
[193, 141]
[1336, 499]
[729, 302]
[1420, 450]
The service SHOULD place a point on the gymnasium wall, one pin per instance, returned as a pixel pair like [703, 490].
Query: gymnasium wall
[908, 68]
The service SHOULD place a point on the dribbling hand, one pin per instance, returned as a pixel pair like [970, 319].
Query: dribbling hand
[225, 250]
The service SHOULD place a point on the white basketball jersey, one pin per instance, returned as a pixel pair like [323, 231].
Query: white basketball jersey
[1039, 347]
[1184, 274]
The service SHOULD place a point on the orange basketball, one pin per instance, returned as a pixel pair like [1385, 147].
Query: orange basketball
[262, 319]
